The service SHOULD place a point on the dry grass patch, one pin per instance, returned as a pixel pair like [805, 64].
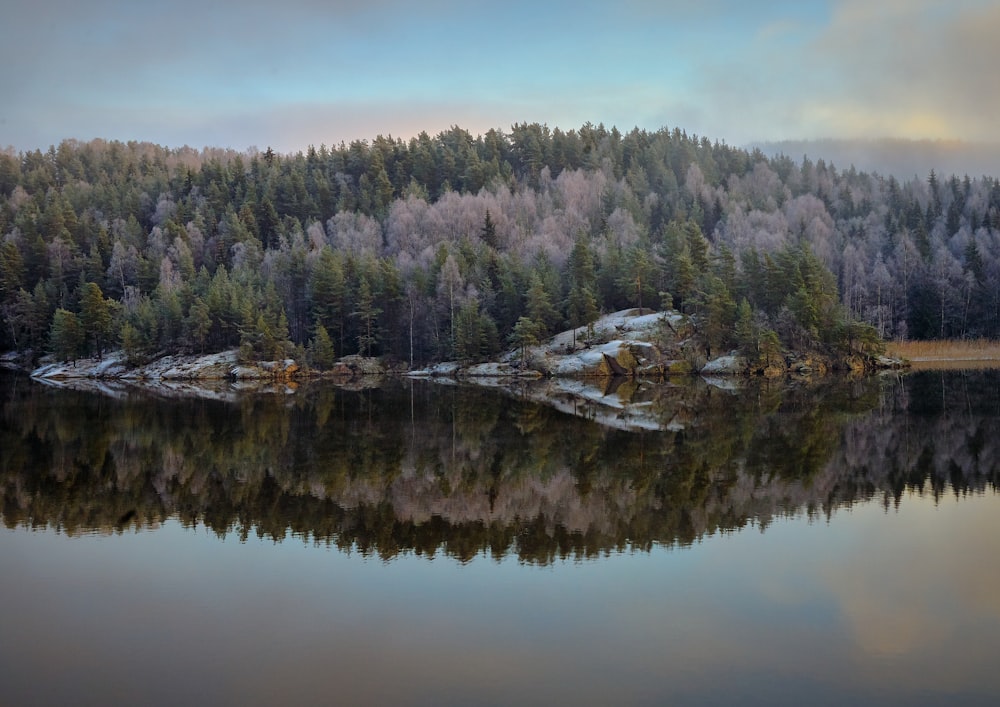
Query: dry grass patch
[961, 353]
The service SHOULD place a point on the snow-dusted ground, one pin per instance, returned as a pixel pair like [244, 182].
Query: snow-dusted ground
[572, 389]
[209, 377]
[113, 366]
[722, 364]
[110, 366]
[580, 362]
[627, 325]
[214, 376]
[624, 330]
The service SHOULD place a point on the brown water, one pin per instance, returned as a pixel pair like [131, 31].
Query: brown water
[426, 544]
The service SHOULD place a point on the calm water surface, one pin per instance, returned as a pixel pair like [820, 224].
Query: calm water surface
[427, 544]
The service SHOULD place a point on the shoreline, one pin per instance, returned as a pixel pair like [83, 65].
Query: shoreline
[627, 344]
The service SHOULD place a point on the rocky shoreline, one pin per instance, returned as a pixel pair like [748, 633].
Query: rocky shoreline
[628, 343]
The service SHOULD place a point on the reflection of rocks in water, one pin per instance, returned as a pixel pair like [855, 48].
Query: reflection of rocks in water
[458, 469]
[616, 402]
[224, 390]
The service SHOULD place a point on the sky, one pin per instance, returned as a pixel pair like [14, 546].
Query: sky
[292, 73]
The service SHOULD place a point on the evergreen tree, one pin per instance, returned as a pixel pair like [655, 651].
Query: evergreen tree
[719, 313]
[321, 351]
[468, 332]
[66, 335]
[367, 314]
[11, 271]
[539, 306]
[95, 316]
[198, 324]
[770, 347]
[582, 271]
[523, 335]
[489, 231]
[747, 336]
[581, 308]
[639, 280]
[132, 343]
[685, 254]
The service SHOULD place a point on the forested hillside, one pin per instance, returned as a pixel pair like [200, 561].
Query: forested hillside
[456, 246]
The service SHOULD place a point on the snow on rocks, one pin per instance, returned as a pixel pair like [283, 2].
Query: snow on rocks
[586, 362]
[616, 344]
[114, 366]
[111, 366]
[728, 364]
[265, 370]
[890, 363]
[446, 369]
[500, 369]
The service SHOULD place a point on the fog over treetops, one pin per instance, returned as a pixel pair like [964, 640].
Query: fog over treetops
[900, 158]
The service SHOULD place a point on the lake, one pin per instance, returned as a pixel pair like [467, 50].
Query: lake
[550, 543]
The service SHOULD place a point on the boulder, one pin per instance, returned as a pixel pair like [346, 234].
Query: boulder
[730, 364]
[359, 366]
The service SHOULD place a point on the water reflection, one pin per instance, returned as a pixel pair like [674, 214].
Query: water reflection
[415, 467]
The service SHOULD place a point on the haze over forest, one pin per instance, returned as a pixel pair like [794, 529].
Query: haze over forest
[901, 158]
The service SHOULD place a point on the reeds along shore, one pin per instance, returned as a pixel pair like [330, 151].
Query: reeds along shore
[950, 353]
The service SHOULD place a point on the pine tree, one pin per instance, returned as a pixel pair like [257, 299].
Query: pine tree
[11, 271]
[680, 269]
[132, 344]
[468, 339]
[489, 231]
[581, 308]
[746, 332]
[321, 351]
[539, 306]
[770, 347]
[198, 324]
[95, 316]
[719, 312]
[639, 279]
[582, 271]
[66, 335]
[523, 335]
[367, 313]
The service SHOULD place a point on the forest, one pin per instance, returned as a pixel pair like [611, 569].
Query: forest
[456, 247]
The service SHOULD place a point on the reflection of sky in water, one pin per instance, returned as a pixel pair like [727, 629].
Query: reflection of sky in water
[873, 605]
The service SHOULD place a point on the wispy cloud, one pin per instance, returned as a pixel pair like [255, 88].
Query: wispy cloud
[196, 72]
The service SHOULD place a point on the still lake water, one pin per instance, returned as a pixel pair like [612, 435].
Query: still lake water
[417, 543]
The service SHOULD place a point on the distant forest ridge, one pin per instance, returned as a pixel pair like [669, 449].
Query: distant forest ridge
[458, 246]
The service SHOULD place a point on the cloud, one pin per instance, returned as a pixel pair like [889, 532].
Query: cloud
[901, 68]
[725, 69]
[914, 69]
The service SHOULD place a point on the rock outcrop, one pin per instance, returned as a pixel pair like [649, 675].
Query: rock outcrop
[628, 343]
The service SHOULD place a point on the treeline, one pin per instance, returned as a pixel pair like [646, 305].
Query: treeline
[458, 246]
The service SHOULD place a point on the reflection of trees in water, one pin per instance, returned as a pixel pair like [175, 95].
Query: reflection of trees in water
[461, 471]
[936, 432]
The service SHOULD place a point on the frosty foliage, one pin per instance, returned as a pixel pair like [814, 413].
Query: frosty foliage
[485, 219]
